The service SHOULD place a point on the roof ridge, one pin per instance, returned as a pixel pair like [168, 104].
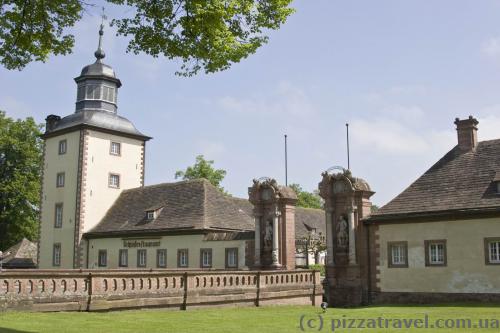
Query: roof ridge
[165, 184]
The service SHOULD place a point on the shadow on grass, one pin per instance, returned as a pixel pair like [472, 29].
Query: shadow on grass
[441, 305]
[10, 330]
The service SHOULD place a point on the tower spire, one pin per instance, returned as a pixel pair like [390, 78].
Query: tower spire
[99, 53]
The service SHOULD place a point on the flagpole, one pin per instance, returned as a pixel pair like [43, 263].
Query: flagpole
[286, 161]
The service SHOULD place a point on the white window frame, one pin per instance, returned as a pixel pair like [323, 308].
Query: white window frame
[111, 182]
[56, 254]
[58, 215]
[142, 257]
[63, 147]
[232, 258]
[150, 215]
[123, 258]
[115, 152]
[206, 258]
[183, 258]
[60, 179]
[161, 258]
[494, 251]
[88, 90]
[102, 258]
[398, 255]
[436, 253]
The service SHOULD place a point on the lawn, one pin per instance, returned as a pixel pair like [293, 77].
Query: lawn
[264, 319]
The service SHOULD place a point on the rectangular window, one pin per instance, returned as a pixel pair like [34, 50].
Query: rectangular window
[397, 254]
[114, 180]
[141, 258]
[93, 91]
[102, 258]
[435, 252]
[232, 257]
[492, 250]
[62, 147]
[60, 179]
[182, 258]
[108, 94]
[205, 258]
[56, 255]
[115, 148]
[80, 93]
[150, 215]
[161, 258]
[123, 258]
[58, 215]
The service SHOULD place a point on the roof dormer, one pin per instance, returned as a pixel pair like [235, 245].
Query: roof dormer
[153, 212]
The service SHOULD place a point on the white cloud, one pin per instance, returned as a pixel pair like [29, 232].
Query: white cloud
[489, 126]
[491, 47]
[15, 108]
[211, 149]
[285, 100]
[388, 136]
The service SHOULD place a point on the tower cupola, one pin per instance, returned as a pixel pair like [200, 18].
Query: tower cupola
[97, 85]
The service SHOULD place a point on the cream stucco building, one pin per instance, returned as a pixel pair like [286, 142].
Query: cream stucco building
[439, 240]
[89, 157]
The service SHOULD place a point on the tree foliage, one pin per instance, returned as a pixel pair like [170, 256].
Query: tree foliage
[204, 35]
[32, 30]
[203, 169]
[20, 165]
[307, 199]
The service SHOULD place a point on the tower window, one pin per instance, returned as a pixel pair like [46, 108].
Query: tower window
[60, 179]
[114, 180]
[93, 91]
[56, 255]
[108, 94]
[58, 215]
[62, 147]
[80, 95]
[115, 148]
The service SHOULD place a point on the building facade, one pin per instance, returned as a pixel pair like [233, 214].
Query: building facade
[439, 240]
[89, 157]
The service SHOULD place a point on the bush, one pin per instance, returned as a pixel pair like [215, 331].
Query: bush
[318, 267]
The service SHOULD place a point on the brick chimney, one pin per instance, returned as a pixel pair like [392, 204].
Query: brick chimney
[467, 133]
[51, 122]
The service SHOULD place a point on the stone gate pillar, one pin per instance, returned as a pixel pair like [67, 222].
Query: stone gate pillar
[346, 204]
[274, 216]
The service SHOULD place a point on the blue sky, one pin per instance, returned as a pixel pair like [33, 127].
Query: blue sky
[398, 71]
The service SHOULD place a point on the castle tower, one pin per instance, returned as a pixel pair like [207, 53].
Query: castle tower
[274, 215]
[89, 157]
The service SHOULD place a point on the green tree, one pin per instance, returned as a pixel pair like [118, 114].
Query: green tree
[204, 35]
[20, 165]
[307, 199]
[374, 208]
[203, 169]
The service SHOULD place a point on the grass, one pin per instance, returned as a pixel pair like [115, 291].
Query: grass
[273, 319]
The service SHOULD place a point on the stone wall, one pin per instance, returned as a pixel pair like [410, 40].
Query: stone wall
[98, 290]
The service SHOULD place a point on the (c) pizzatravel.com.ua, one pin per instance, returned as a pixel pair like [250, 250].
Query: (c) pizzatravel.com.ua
[321, 323]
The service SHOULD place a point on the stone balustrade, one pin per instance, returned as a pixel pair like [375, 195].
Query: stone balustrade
[94, 290]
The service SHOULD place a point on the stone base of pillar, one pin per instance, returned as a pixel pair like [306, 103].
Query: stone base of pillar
[344, 287]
